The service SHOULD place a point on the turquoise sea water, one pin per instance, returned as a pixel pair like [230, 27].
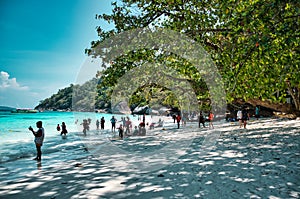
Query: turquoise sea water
[14, 126]
[16, 141]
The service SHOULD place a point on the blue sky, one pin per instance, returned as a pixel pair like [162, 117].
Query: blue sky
[42, 46]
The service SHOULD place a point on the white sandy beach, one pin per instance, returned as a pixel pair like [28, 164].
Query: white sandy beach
[262, 161]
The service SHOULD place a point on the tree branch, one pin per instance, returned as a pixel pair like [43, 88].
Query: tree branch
[293, 16]
[294, 96]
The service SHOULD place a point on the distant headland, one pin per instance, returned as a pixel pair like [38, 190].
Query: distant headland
[6, 109]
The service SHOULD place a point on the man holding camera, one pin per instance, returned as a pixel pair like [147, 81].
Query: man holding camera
[38, 140]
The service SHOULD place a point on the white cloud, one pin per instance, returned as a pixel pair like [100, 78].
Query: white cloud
[14, 94]
[9, 83]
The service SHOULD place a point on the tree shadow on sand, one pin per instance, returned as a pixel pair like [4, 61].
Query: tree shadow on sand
[254, 163]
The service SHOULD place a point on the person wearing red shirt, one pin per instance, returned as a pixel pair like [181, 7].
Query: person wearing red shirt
[178, 118]
[211, 118]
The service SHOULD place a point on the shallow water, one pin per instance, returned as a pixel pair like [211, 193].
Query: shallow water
[16, 141]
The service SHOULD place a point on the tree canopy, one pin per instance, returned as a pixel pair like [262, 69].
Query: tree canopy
[61, 100]
[255, 45]
[76, 98]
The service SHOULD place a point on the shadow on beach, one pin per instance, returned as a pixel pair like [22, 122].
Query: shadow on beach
[260, 162]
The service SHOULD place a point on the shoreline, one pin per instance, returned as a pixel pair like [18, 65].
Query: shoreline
[262, 161]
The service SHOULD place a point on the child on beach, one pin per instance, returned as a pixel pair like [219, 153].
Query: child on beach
[135, 131]
[58, 128]
[151, 126]
[39, 139]
[121, 131]
[160, 123]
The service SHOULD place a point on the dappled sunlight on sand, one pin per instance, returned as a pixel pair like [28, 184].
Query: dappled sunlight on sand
[262, 161]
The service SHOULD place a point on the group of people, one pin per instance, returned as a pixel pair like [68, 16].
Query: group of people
[101, 123]
[243, 115]
[62, 129]
[39, 134]
[126, 123]
[87, 122]
[202, 120]
[176, 118]
[139, 130]
[125, 128]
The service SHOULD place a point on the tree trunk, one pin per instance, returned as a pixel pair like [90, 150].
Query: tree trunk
[294, 94]
[280, 107]
[284, 110]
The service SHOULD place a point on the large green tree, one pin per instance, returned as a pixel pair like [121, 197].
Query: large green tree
[255, 44]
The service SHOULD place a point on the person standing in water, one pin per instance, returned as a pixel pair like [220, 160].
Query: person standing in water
[113, 121]
[39, 139]
[97, 124]
[63, 129]
[58, 128]
[102, 121]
